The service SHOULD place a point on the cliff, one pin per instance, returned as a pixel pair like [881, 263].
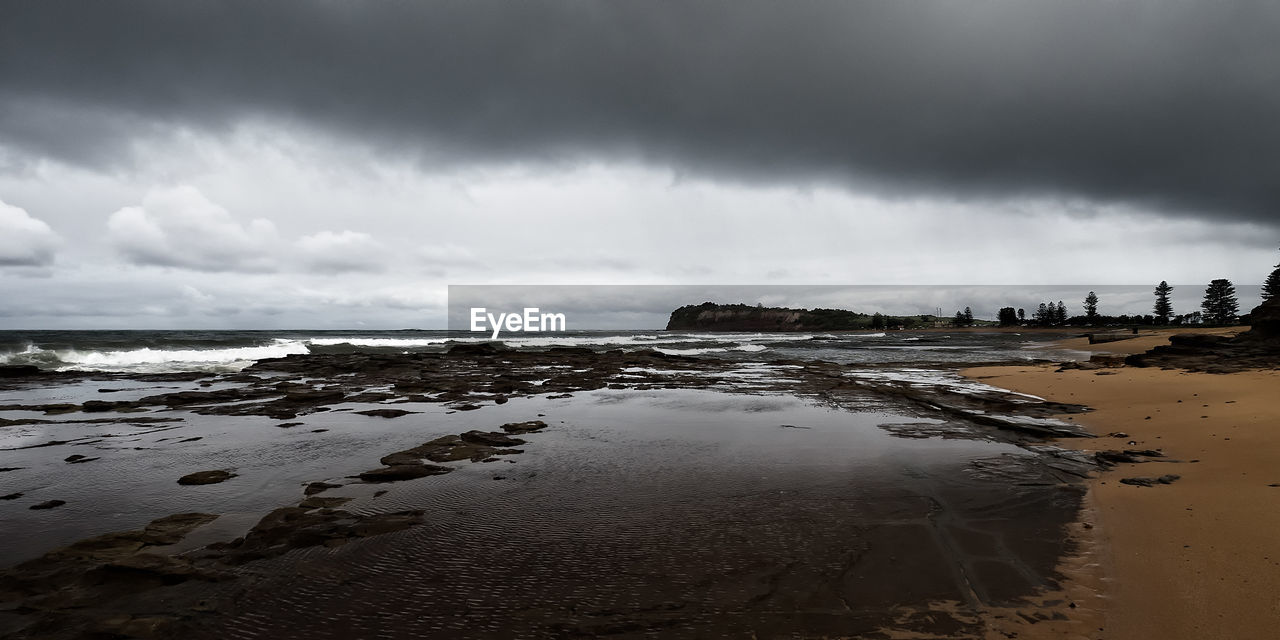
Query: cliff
[709, 316]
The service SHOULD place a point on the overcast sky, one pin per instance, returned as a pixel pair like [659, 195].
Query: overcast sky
[337, 164]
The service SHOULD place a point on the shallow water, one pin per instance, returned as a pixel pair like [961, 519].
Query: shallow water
[672, 512]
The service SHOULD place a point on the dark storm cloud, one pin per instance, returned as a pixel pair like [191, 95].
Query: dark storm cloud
[1166, 104]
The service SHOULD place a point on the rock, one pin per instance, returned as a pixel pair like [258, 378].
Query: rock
[524, 427]
[170, 569]
[77, 458]
[1265, 321]
[314, 397]
[476, 349]
[318, 487]
[48, 504]
[297, 527]
[99, 406]
[398, 472]
[11, 496]
[206, 477]
[1150, 482]
[491, 438]
[386, 413]
[18, 371]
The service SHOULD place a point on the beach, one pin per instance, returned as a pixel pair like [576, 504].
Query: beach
[624, 485]
[872, 484]
[1197, 558]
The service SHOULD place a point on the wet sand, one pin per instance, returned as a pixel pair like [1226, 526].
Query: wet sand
[1198, 558]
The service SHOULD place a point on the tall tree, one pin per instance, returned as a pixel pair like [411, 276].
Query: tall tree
[959, 319]
[1163, 307]
[1022, 314]
[1091, 304]
[877, 321]
[1220, 304]
[1043, 315]
[1060, 313]
[1007, 316]
[1271, 286]
[968, 317]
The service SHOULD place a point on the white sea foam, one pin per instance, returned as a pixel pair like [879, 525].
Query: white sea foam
[148, 360]
[749, 348]
[375, 342]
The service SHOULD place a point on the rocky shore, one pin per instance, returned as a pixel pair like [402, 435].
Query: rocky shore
[150, 583]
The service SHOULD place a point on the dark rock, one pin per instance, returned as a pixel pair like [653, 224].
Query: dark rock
[1265, 321]
[491, 438]
[206, 477]
[398, 472]
[11, 496]
[314, 396]
[1150, 482]
[524, 427]
[386, 413]
[77, 458]
[319, 487]
[476, 349]
[18, 370]
[48, 504]
[98, 406]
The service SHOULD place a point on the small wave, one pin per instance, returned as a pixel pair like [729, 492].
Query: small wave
[148, 360]
[575, 341]
[749, 348]
[374, 342]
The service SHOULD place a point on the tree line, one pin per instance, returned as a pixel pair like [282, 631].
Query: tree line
[1220, 306]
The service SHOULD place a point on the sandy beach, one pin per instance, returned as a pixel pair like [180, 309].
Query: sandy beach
[1197, 558]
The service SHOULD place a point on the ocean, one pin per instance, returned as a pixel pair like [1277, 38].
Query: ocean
[228, 351]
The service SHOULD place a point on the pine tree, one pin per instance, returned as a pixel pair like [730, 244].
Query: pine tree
[1271, 286]
[1163, 308]
[1091, 304]
[1022, 314]
[1220, 304]
[1043, 315]
[959, 319]
[877, 321]
[1060, 313]
[968, 317]
[1007, 316]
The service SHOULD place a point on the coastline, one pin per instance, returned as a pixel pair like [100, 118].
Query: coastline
[895, 504]
[1196, 558]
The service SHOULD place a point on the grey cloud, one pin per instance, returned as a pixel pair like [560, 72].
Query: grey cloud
[1169, 105]
[343, 251]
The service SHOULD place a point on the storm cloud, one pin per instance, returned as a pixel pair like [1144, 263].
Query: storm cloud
[1167, 106]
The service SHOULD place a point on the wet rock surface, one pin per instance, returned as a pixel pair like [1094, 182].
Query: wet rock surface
[1151, 482]
[206, 477]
